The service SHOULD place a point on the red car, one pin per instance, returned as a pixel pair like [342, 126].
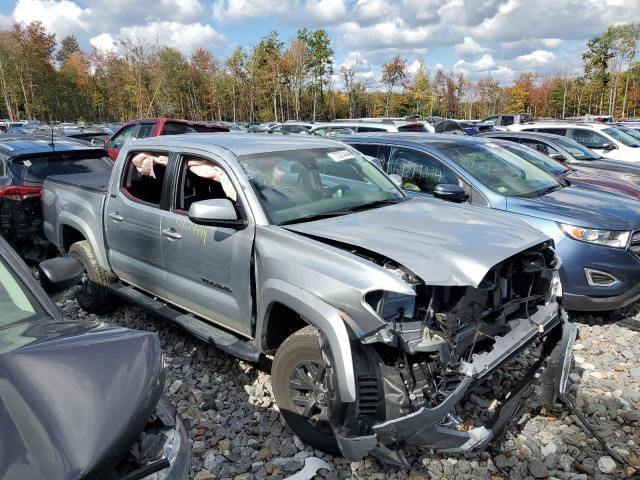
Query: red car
[574, 177]
[154, 127]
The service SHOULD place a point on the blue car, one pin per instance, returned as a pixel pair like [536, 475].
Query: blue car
[596, 233]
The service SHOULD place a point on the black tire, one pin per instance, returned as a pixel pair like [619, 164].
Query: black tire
[92, 293]
[292, 376]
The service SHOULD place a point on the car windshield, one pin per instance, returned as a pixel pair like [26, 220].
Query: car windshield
[502, 171]
[35, 169]
[631, 132]
[622, 137]
[16, 302]
[576, 150]
[540, 160]
[304, 185]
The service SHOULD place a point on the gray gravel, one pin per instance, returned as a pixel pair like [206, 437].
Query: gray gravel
[237, 433]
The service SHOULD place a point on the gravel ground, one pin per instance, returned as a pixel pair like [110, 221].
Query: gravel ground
[237, 432]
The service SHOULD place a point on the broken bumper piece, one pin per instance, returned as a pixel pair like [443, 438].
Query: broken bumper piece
[435, 428]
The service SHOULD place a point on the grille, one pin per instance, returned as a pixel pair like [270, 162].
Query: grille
[368, 398]
[634, 244]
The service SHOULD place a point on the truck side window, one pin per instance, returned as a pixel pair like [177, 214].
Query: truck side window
[144, 175]
[120, 138]
[202, 179]
[145, 130]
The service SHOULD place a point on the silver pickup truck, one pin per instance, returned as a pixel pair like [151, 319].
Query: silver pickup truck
[383, 312]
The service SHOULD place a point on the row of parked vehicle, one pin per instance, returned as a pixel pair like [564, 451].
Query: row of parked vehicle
[387, 274]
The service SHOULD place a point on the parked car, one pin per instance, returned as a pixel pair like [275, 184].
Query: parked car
[290, 127]
[461, 127]
[572, 154]
[340, 127]
[596, 233]
[80, 399]
[154, 127]
[25, 161]
[604, 139]
[570, 175]
[501, 122]
[266, 247]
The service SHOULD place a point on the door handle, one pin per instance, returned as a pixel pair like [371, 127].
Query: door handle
[171, 234]
[116, 217]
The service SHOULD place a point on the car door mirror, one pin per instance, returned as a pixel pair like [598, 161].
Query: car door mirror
[608, 146]
[451, 192]
[397, 179]
[217, 212]
[558, 157]
[60, 273]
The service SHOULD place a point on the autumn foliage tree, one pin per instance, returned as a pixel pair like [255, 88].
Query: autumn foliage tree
[280, 79]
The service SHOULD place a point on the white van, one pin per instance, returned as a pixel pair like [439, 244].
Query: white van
[604, 139]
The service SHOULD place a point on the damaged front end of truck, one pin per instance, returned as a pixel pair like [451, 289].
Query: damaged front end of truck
[438, 346]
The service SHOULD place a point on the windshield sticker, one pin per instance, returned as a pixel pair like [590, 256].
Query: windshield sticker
[340, 155]
[502, 189]
[27, 163]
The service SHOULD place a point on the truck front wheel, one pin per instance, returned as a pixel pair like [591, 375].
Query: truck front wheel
[92, 292]
[299, 384]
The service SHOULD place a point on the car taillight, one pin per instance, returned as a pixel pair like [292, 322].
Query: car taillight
[14, 192]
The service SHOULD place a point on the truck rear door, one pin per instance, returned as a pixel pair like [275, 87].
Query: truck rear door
[132, 219]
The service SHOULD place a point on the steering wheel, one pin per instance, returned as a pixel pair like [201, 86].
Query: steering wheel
[329, 193]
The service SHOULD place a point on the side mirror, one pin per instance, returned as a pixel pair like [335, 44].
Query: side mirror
[59, 274]
[395, 178]
[450, 192]
[558, 157]
[608, 146]
[217, 212]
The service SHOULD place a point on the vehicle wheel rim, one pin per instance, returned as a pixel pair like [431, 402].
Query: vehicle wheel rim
[310, 395]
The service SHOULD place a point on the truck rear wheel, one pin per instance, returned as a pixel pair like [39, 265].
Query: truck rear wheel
[92, 292]
[299, 383]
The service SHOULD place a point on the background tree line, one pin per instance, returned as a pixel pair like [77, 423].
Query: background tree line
[41, 78]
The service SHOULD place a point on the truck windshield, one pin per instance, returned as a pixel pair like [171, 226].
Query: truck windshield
[502, 171]
[304, 185]
[34, 169]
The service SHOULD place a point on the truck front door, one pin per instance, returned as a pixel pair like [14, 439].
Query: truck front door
[207, 269]
[132, 220]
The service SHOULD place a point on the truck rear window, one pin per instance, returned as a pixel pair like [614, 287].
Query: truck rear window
[35, 169]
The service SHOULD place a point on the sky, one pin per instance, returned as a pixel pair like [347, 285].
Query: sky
[495, 39]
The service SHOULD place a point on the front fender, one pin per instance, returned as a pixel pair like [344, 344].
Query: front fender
[326, 318]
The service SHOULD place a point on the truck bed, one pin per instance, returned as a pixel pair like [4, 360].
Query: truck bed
[73, 209]
[97, 182]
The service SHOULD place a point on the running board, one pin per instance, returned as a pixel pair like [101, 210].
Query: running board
[225, 341]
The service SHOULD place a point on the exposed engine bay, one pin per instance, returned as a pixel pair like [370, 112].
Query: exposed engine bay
[437, 347]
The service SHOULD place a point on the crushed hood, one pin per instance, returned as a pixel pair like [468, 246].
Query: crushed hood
[74, 397]
[444, 244]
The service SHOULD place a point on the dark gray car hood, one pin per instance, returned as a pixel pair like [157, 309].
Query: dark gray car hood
[74, 396]
[442, 243]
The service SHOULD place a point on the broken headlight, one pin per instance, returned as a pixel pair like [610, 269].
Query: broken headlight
[392, 306]
[556, 285]
[608, 238]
